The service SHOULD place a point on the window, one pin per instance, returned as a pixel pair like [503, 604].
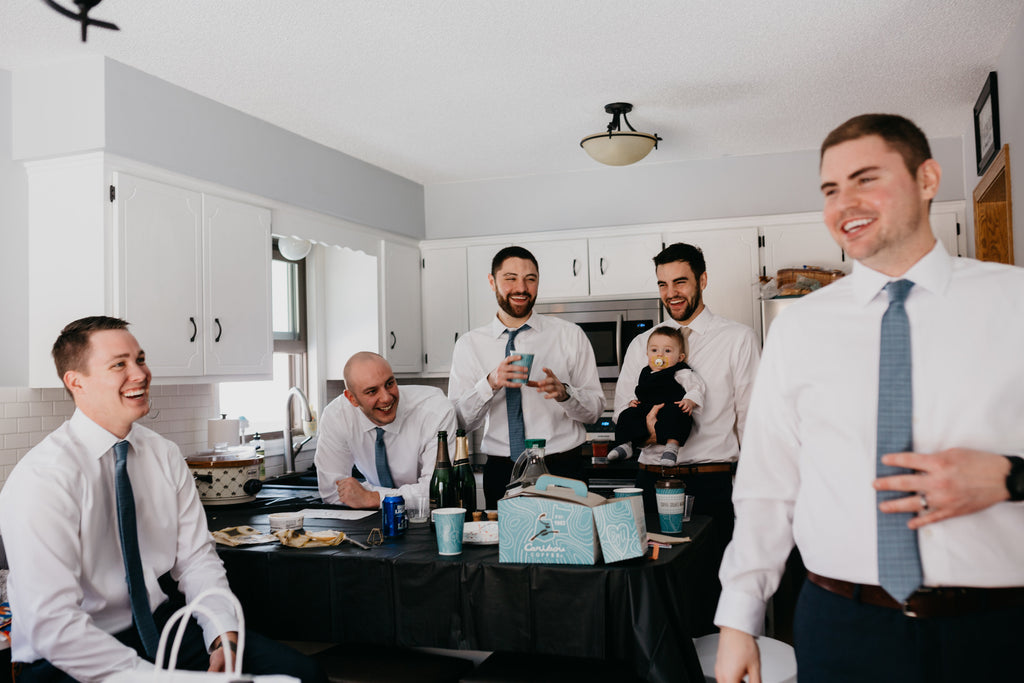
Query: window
[262, 403]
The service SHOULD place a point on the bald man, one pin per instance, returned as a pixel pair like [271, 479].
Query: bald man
[369, 415]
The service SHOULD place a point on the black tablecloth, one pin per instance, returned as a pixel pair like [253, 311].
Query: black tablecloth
[404, 593]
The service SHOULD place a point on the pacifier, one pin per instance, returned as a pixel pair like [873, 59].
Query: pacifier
[659, 361]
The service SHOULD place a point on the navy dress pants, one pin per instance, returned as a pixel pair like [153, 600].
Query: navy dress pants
[839, 640]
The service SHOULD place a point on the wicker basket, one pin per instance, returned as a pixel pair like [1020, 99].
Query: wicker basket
[788, 276]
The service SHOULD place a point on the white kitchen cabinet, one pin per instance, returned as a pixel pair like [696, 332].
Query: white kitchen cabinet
[482, 304]
[731, 260]
[195, 274]
[946, 224]
[563, 267]
[104, 242]
[622, 266]
[806, 243]
[445, 305]
[401, 333]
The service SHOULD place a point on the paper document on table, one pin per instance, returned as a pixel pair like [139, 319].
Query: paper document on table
[336, 514]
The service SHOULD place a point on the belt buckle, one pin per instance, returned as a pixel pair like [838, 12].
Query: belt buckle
[905, 607]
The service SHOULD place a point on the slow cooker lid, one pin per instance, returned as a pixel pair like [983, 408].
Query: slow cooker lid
[235, 456]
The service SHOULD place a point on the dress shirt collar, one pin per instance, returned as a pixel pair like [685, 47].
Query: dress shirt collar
[932, 273]
[699, 325]
[97, 440]
[535, 321]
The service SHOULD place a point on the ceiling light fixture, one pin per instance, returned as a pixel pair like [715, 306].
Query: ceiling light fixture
[293, 248]
[618, 147]
[83, 15]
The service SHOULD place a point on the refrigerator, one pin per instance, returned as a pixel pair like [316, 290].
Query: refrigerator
[770, 309]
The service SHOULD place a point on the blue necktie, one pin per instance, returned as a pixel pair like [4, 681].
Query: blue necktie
[142, 615]
[514, 405]
[381, 456]
[899, 562]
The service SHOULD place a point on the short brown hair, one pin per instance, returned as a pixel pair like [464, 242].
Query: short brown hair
[72, 346]
[673, 333]
[901, 134]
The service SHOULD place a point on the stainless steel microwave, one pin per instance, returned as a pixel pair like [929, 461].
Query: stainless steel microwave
[609, 325]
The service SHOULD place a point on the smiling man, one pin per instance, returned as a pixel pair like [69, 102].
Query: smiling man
[486, 387]
[102, 498]
[725, 354]
[390, 436]
[883, 439]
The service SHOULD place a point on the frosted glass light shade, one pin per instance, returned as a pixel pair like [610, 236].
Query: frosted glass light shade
[293, 248]
[618, 148]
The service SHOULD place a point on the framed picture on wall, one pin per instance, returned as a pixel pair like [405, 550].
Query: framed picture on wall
[986, 124]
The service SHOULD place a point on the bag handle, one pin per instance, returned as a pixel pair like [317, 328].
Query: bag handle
[546, 480]
[180, 618]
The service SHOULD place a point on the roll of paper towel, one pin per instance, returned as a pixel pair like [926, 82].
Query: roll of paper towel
[222, 432]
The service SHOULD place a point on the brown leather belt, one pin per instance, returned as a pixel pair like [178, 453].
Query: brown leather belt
[926, 602]
[679, 470]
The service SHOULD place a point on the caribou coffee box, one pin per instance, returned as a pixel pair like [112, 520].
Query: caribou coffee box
[559, 522]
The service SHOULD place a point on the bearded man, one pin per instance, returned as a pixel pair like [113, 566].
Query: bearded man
[726, 354]
[560, 395]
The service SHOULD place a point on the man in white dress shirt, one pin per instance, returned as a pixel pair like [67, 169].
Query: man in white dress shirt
[563, 395]
[725, 354]
[70, 602]
[349, 430]
[808, 473]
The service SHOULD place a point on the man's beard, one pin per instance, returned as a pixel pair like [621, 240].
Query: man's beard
[505, 305]
[690, 308]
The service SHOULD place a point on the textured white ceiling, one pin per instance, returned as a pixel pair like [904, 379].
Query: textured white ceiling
[457, 90]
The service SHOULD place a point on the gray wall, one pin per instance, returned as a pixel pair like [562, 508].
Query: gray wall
[1009, 67]
[158, 123]
[647, 193]
[13, 248]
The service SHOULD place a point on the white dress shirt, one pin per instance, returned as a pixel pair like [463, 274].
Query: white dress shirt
[557, 345]
[809, 452]
[346, 437]
[58, 519]
[725, 354]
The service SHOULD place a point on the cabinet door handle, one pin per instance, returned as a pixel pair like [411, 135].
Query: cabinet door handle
[219, 330]
[574, 273]
[456, 336]
[195, 330]
[394, 340]
[601, 265]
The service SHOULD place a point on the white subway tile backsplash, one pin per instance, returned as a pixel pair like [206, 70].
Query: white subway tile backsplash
[27, 415]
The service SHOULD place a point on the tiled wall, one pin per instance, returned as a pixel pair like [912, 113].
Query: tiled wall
[179, 412]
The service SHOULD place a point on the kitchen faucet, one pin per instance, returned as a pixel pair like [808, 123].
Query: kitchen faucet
[307, 417]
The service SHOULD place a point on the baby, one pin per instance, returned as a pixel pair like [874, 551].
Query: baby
[669, 381]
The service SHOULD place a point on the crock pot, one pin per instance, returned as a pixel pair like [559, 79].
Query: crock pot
[226, 475]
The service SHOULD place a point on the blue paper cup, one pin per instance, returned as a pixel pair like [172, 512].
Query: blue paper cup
[671, 497]
[525, 361]
[448, 523]
[627, 492]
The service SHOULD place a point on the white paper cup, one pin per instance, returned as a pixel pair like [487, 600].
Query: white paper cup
[627, 491]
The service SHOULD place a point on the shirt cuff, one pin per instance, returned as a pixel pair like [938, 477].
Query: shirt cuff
[740, 611]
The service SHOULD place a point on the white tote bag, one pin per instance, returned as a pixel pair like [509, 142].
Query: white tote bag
[176, 626]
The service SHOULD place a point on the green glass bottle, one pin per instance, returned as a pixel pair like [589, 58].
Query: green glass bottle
[463, 474]
[443, 492]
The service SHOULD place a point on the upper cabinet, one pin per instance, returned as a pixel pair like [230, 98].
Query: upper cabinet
[622, 266]
[196, 279]
[189, 271]
[799, 244]
[445, 305]
[401, 335]
[563, 266]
